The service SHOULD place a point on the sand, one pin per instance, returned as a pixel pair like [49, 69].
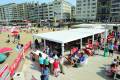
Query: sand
[94, 70]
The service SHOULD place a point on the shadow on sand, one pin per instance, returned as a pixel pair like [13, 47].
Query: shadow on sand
[103, 75]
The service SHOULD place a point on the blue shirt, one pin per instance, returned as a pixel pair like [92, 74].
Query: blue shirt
[45, 71]
[41, 60]
[111, 46]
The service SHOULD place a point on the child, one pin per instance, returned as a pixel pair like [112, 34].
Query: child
[56, 67]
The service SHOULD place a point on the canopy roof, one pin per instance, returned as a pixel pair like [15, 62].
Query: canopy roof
[96, 25]
[66, 36]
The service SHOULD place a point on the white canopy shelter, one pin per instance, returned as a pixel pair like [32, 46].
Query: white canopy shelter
[96, 25]
[66, 36]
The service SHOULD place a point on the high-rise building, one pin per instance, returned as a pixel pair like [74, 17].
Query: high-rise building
[22, 11]
[59, 9]
[115, 10]
[35, 12]
[86, 9]
[56, 9]
[103, 10]
[93, 10]
[73, 12]
[6, 12]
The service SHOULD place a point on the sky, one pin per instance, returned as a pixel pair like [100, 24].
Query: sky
[22, 1]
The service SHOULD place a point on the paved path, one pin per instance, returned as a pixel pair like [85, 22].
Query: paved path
[94, 70]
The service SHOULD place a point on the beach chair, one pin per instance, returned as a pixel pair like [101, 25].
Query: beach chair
[68, 59]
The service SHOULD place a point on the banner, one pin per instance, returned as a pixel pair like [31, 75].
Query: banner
[5, 73]
[17, 61]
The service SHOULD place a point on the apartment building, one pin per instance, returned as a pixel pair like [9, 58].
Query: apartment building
[115, 10]
[103, 10]
[86, 9]
[6, 12]
[96, 10]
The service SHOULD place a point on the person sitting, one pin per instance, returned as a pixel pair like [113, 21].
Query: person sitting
[114, 61]
[118, 60]
[114, 69]
[81, 60]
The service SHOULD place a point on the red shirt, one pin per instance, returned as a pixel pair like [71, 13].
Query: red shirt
[55, 64]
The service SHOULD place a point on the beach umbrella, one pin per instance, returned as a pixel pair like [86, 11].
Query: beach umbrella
[2, 57]
[14, 31]
[5, 50]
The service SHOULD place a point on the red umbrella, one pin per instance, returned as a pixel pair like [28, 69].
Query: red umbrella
[15, 32]
[5, 50]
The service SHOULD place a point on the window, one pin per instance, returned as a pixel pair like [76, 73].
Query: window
[79, 8]
[93, 10]
[83, 11]
[79, 5]
[93, 7]
[92, 15]
[93, 3]
[84, 4]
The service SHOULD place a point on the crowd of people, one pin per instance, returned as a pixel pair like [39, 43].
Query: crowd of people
[45, 66]
[78, 56]
[112, 45]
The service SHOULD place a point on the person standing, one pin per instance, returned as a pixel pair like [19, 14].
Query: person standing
[45, 73]
[61, 64]
[106, 51]
[46, 62]
[18, 37]
[56, 67]
[111, 47]
[36, 44]
[41, 62]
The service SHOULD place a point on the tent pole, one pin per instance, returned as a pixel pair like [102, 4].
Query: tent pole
[62, 47]
[81, 44]
[44, 43]
[93, 39]
[106, 33]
